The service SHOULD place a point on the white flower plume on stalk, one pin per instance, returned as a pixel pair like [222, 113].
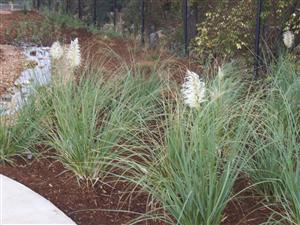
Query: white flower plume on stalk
[56, 51]
[193, 90]
[288, 39]
[73, 54]
[220, 73]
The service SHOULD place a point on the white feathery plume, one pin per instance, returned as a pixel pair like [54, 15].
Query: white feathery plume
[56, 51]
[288, 39]
[73, 54]
[193, 90]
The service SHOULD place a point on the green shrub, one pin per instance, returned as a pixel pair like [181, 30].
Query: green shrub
[227, 29]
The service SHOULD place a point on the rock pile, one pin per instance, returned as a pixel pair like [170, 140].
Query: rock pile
[17, 95]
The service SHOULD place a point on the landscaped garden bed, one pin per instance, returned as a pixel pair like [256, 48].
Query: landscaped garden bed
[129, 137]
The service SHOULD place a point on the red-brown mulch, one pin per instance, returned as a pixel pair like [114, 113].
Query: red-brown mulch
[85, 204]
[88, 205]
[246, 208]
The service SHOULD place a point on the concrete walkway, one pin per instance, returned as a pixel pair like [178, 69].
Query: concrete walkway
[20, 205]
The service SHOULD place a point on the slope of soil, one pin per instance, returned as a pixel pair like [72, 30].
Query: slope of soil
[8, 20]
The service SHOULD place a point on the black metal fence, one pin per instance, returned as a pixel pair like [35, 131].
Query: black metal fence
[147, 16]
[151, 19]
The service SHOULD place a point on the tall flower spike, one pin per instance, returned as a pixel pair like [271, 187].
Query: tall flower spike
[193, 90]
[73, 54]
[220, 73]
[56, 51]
[288, 39]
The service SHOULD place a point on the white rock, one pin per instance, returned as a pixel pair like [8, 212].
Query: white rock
[29, 78]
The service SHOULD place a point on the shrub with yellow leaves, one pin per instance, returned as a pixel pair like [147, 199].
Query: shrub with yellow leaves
[229, 26]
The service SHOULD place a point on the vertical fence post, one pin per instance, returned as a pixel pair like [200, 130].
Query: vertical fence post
[79, 9]
[38, 4]
[257, 38]
[185, 25]
[115, 13]
[68, 6]
[95, 12]
[197, 13]
[143, 23]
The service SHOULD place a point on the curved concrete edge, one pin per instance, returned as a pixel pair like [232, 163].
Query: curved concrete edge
[21, 205]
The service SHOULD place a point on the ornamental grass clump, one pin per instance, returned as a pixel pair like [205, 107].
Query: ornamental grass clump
[91, 122]
[275, 165]
[19, 133]
[195, 161]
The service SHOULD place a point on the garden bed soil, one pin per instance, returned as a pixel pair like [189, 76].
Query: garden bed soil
[86, 205]
[102, 205]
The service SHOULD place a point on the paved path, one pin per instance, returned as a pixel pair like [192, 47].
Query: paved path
[20, 205]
